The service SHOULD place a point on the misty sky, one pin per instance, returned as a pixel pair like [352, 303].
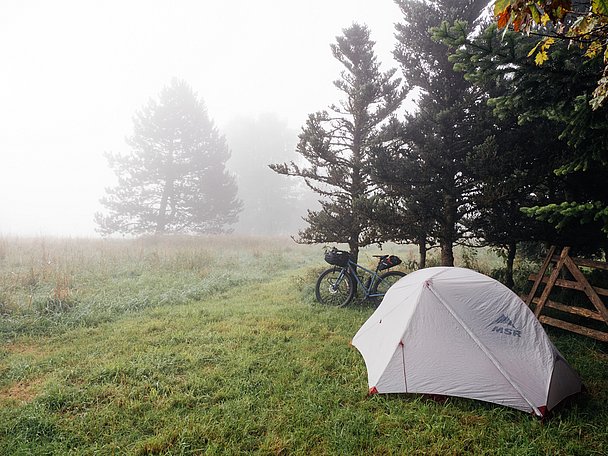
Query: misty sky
[74, 73]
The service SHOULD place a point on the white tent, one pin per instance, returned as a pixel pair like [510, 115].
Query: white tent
[455, 332]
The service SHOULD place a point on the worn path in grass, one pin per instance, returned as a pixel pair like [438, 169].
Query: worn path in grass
[257, 369]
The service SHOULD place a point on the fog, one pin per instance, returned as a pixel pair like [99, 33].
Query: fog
[74, 73]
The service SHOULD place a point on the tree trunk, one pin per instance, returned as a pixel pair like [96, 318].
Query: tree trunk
[162, 210]
[357, 189]
[448, 230]
[511, 251]
[422, 253]
[354, 249]
[447, 252]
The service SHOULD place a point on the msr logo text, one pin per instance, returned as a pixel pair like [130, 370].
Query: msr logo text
[508, 331]
[504, 325]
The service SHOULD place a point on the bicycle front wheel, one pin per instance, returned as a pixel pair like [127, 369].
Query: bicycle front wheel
[335, 287]
[385, 281]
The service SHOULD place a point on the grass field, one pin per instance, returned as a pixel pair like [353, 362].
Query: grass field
[216, 346]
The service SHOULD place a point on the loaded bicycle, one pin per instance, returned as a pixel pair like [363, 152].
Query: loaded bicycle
[337, 285]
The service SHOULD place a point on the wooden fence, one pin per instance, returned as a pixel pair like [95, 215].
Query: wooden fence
[577, 281]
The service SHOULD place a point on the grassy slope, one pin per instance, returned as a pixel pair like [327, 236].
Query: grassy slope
[182, 364]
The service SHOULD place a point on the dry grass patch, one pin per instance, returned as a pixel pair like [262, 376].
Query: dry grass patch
[26, 349]
[20, 393]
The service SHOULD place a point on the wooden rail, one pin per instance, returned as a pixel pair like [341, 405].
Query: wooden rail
[571, 284]
[563, 262]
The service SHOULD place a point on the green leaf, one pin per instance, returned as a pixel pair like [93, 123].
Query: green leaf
[500, 6]
[599, 7]
[535, 13]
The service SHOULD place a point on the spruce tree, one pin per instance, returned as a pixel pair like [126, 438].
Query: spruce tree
[556, 124]
[431, 164]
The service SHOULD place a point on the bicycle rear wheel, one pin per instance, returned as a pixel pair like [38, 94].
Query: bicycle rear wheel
[335, 287]
[385, 281]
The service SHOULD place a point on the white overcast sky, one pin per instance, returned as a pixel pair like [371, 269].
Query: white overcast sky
[74, 72]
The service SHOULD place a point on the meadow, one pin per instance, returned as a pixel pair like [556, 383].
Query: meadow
[215, 345]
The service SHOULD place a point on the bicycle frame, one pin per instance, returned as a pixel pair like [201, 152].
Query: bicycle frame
[337, 286]
[352, 270]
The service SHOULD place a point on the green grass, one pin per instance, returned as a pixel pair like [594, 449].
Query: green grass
[215, 346]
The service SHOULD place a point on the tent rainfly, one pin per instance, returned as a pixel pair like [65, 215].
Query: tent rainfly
[455, 332]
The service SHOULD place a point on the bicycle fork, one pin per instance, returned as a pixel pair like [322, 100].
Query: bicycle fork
[333, 288]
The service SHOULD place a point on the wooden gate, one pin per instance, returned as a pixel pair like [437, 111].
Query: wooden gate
[563, 262]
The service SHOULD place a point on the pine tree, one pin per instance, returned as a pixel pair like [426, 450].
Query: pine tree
[336, 144]
[174, 179]
[508, 177]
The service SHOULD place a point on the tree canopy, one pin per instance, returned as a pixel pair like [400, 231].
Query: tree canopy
[550, 103]
[427, 172]
[583, 23]
[335, 144]
[174, 179]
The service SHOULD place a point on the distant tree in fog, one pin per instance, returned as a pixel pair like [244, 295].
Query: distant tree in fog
[273, 204]
[336, 144]
[174, 179]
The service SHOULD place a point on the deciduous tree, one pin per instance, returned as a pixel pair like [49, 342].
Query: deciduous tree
[583, 23]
